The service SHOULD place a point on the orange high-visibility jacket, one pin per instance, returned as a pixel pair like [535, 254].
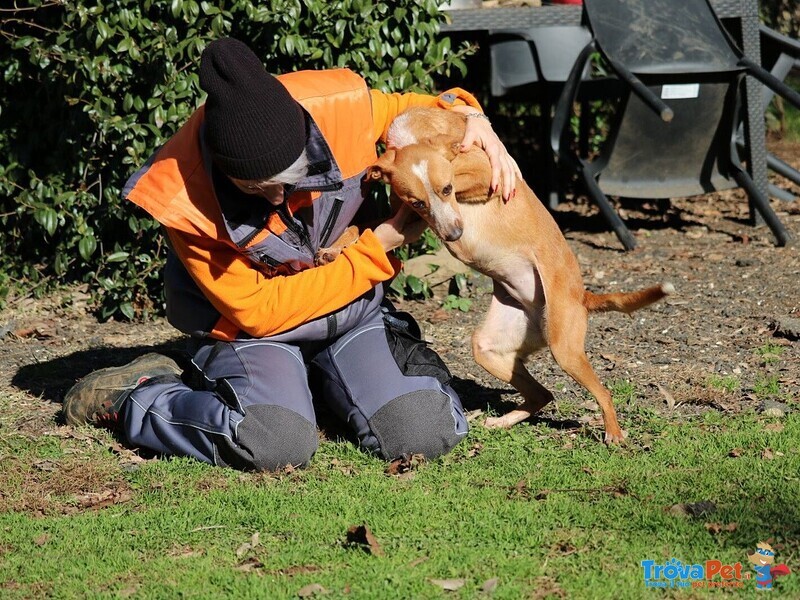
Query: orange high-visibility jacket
[244, 268]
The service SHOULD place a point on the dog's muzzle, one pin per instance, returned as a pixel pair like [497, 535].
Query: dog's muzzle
[453, 234]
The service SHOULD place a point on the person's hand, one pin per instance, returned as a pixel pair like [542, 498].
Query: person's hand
[403, 228]
[479, 131]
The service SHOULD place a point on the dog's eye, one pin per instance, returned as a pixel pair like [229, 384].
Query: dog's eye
[447, 190]
[418, 204]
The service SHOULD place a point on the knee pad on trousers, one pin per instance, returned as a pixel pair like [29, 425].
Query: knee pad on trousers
[420, 422]
[268, 439]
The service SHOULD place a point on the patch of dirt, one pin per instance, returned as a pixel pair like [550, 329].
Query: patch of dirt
[732, 287]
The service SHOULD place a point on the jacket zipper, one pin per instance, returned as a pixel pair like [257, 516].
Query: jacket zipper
[331, 321]
[271, 262]
[249, 237]
[292, 225]
[331, 221]
[286, 218]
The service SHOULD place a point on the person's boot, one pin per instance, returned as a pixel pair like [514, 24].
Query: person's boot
[99, 397]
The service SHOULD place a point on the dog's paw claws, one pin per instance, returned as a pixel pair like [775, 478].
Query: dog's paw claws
[615, 439]
[495, 423]
[326, 256]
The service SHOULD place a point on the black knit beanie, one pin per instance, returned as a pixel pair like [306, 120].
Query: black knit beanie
[254, 128]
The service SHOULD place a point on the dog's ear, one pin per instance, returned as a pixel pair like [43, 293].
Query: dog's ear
[382, 168]
[447, 145]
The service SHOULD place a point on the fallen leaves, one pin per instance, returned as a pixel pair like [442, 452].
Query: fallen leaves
[456, 583]
[98, 500]
[249, 564]
[360, 536]
[40, 331]
[520, 491]
[670, 399]
[449, 585]
[343, 468]
[774, 427]
[312, 589]
[715, 528]
[697, 509]
[247, 546]
[403, 467]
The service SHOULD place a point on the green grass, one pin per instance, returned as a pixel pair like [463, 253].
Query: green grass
[727, 383]
[767, 386]
[543, 510]
[770, 353]
[622, 390]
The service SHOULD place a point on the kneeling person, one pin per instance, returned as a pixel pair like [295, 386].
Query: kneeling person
[269, 170]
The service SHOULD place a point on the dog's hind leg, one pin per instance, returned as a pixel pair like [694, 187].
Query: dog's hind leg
[500, 346]
[567, 338]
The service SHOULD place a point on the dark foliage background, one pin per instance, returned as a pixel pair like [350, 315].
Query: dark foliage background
[91, 88]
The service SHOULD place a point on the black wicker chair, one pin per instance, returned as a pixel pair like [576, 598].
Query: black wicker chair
[675, 129]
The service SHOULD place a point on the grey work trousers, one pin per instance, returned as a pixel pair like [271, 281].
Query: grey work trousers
[250, 406]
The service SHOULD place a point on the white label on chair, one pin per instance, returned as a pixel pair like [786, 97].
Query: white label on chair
[676, 91]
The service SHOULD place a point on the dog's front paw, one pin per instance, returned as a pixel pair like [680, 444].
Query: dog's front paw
[508, 420]
[615, 438]
[325, 256]
[496, 423]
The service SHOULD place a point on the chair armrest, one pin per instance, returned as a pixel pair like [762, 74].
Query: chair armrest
[772, 82]
[644, 92]
[788, 45]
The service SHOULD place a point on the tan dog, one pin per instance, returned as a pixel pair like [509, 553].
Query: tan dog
[539, 299]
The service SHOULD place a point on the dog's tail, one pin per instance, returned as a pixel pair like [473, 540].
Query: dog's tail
[626, 302]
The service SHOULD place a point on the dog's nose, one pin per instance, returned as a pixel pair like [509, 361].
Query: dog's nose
[454, 234]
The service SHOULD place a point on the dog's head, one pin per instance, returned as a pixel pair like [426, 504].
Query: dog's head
[422, 176]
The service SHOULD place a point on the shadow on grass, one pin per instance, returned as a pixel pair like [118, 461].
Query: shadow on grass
[51, 379]
[765, 517]
[477, 397]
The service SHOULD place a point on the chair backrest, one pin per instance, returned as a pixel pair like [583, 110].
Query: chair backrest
[651, 37]
[647, 158]
[520, 57]
[557, 48]
[512, 65]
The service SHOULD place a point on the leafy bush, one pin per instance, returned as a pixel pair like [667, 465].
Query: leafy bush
[93, 87]
[782, 15]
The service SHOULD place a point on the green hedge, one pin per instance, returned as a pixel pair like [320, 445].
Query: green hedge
[92, 88]
[782, 15]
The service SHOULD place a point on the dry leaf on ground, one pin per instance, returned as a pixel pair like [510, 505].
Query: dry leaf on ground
[360, 535]
[247, 546]
[717, 527]
[312, 589]
[250, 564]
[449, 585]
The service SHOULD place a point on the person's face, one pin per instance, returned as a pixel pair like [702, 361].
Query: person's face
[271, 190]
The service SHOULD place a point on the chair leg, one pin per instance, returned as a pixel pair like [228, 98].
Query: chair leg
[552, 182]
[761, 204]
[782, 168]
[779, 193]
[608, 212]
